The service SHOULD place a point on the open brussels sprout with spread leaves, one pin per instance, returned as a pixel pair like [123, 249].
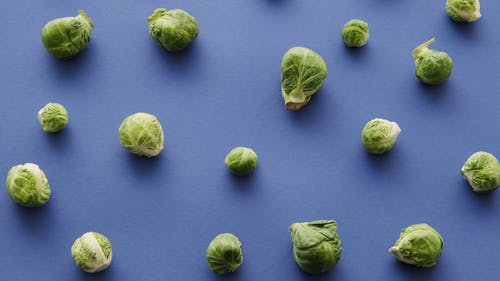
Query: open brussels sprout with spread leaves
[53, 117]
[431, 67]
[224, 253]
[92, 252]
[141, 133]
[174, 30]
[316, 245]
[418, 245]
[241, 161]
[482, 171]
[379, 135]
[66, 37]
[303, 72]
[27, 185]
[463, 10]
[355, 33]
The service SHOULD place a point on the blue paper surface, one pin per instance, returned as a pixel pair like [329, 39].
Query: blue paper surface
[224, 91]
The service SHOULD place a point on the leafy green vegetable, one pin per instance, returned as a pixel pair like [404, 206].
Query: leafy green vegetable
[142, 134]
[27, 185]
[241, 161]
[482, 171]
[174, 29]
[92, 252]
[355, 33]
[224, 253]
[432, 67]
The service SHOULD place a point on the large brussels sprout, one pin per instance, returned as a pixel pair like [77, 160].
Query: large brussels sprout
[92, 252]
[141, 134]
[224, 253]
[174, 29]
[27, 185]
[379, 135]
[66, 37]
[431, 67]
[316, 245]
[241, 161]
[53, 117]
[418, 245]
[303, 72]
[463, 10]
[482, 171]
[355, 33]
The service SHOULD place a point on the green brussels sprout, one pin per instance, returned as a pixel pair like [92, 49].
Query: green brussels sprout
[355, 33]
[53, 117]
[241, 161]
[92, 252]
[27, 185]
[379, 135]
[316, 245]
[432, 67]
[463, 10]
[303, 72]
[482, 171]
[141, 134]
[418, 245]
[174, 29]
[65, 37]
[224, 253]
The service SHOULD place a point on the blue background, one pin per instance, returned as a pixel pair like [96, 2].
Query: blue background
[224, 91]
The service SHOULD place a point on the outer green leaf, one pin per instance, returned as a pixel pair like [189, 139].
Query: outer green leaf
[241, 161]
[482, 171]
[303, 72]
[142, 134]
[174, 29]
[431, 67]
[224, 253]
[379, 135]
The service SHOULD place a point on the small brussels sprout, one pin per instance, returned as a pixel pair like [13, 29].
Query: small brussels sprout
[224, 253]
[92, 252]
[482, 171]
[141, 134]
[66, 37]
[379, 135]
[355, 33]
[431, 67]
[418, 245]
[241, 161]
[316, 245]
[303, 72]
[174, 29]
[27, 185]
[463, 10]
[53, 117]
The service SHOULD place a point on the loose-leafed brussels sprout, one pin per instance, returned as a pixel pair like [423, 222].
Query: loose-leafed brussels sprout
[241, 161]
[379, 135]
[66, 37]
[174, 29]
[482, 171]
[419, 245]
[463, 10]
[355, 33]
[316, 245]
[224, 253]
[303, 72]
[53, 117]
[92, 252]
[141, 134]
[431, 67]
[27, 185]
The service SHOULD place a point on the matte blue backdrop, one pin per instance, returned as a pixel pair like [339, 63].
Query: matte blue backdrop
[224, 91]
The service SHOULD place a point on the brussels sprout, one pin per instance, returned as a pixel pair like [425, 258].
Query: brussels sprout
[174, 29]
[53, 117]
[303, 72]
[316, 245]
[432, 67]
[224, 253]
[482, 171]
[355, 33]
[92, 252]
[66, 37]
[141, 134]
[463, 10]
[241, 161]
[419, 245]
[27, 185]
[379, 135]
